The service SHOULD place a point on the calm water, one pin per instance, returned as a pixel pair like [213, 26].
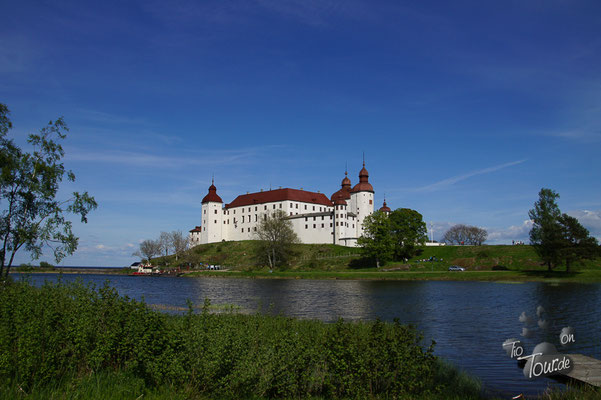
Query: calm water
[468, 320]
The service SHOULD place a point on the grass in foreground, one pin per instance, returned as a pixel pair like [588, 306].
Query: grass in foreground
[71, 341]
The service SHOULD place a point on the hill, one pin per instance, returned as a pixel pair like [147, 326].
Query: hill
[240, 256]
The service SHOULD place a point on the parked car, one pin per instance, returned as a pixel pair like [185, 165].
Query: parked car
[456, 268]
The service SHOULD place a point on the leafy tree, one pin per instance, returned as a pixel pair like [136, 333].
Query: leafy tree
[465, 234]
[377, 241]
[31, 216]
[546, 232]
[276, 238]
[577, 244]
[408, 230]
[149, 249]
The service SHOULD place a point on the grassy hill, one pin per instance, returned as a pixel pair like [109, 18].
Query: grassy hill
[240, 256]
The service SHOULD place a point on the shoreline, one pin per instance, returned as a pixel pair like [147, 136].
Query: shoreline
[509, 277]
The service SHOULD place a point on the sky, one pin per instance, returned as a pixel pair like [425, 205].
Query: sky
[464, 110]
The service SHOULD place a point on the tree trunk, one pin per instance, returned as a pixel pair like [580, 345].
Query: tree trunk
[377, 263]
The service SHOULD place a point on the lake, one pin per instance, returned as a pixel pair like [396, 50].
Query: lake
[468, 320]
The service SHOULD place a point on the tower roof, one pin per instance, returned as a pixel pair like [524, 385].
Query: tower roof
[363, 185]
[212, 196]
[345, 188]
[385, 208]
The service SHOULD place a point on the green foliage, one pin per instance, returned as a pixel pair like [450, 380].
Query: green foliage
[44, 264]
[408, 230]
[377, 241]
[31, 216]
[558, 237]
[393, 236]
[71, 330]
[276, 239]
[545, 235]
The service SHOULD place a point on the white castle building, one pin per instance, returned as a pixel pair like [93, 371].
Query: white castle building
[314, 217]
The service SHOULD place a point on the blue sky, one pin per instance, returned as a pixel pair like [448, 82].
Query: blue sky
[464, 109]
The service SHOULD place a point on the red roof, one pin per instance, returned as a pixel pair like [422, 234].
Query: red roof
[385, 208]
[196, 229]
[212, 196]
[279, 195]
[363, 185]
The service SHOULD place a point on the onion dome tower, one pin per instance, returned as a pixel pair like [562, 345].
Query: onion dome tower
[345, 189]
[363, 185]
[362, 199]
[212, 196]
[212, 216]
[385, 208]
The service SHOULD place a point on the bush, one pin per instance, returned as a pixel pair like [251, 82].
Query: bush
[500, 268]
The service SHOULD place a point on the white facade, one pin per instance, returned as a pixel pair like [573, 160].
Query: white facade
[314, 217]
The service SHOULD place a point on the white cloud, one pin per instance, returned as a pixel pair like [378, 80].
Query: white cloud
[506, 235]
[458, 178]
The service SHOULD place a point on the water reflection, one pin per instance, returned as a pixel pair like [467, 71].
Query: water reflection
[468, 320]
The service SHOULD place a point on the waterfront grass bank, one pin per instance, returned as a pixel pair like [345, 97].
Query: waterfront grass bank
[72, 341]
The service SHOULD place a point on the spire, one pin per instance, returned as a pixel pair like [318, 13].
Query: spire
[363, 185]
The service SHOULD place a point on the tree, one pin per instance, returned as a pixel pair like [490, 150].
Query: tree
[377, 241]
[165, 242]
[149, 249]
[408, 230]
[276, 238]
[31, 216]
[179, 243]
[465, 234]
[546, 232]
[577, 243]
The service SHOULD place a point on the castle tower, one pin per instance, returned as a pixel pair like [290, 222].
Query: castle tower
[212, 216]
[385, 209]
[362, 199]
[340, 219]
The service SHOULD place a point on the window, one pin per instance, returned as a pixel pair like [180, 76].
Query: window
[215, 211]
[322, 217]
[336, 223]
[291, 213]
[255, 208]
[242, 230]
[274, 206]
[234, 211]
[313, 226]
[215, 221]
[313, 208]
[314, 218]
[248, 209]
[256, 217]
[280, 205]
[306, 226]
[291, 205]
[204, 229]
[322, 225]
[305, 206]
[204, 211]
[255, 228]
[266, 207]
[330, 224]
[371, 201]
[243, 219]
[306, 219]
[297, 206]
[223, 222]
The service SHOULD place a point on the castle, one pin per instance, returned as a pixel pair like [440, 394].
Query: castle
[314, 217]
